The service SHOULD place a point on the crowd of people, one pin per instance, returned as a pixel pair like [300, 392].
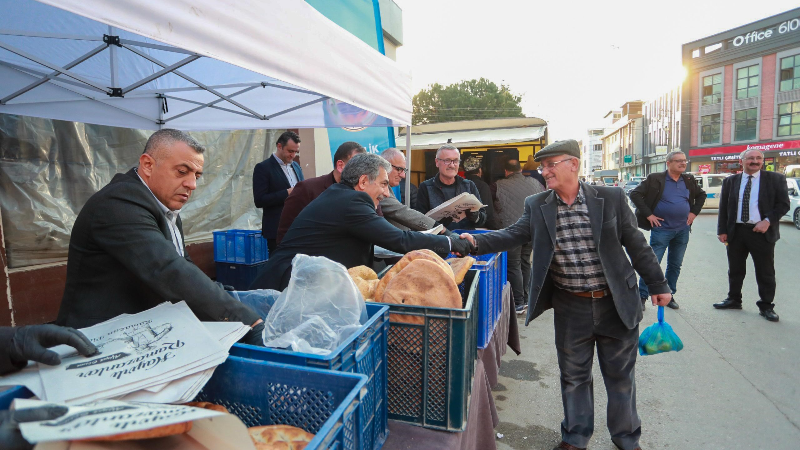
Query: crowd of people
[572, 247]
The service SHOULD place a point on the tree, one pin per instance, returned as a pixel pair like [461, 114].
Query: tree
[466, 100]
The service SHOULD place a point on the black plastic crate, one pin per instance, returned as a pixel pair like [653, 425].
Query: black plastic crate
[431, 366]
[240, 276]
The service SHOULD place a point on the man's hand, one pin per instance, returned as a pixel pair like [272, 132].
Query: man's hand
[654, 221]
[289, 191]
[661, 299]
[446, 221]
[474, 216]
[761, 227]
[31, 343]
[723, 238]
[691, 218]
[470, 238]
[10, 436]
[461, 247]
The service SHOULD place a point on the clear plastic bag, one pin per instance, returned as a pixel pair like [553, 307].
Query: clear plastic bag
[259, 300]
[319, 309]
[659, 338]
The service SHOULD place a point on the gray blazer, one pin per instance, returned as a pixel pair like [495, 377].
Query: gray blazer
[404, 217]
[613, 227]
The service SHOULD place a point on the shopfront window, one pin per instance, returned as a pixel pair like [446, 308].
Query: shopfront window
[745, 126]
[710, 129]
[789, 119]
[712, 89]
[747, 82]
[790, 73]
[727, 167]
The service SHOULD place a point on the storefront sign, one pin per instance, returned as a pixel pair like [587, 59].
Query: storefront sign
[704, 168]
[627, 159]
[661, 149]
[791, 148]
[734, 157]
[760, 35]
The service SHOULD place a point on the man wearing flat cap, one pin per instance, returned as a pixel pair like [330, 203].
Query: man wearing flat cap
[580, 236]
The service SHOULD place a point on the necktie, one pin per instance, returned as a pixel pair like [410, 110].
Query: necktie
[746, 200]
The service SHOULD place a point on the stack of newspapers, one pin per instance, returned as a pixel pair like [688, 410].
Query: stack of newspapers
[162, 355]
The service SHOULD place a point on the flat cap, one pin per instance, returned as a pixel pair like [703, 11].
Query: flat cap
[569, 147]
[471, 164]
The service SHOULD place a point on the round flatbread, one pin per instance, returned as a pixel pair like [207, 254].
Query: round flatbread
[460, 267]
[279, 437]
[366, 287]
[362, 272]
[405, 261]
[421, 283]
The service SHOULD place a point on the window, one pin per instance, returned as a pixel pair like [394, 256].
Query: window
[789, 119]
[712, 89]
[715, 181]
[747, 82]
[709, 129]
[745, 126]
[790, 73]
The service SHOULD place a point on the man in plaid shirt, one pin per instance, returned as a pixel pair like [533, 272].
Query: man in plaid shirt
[580, 236]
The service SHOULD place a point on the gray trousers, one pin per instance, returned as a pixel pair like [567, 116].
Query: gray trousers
[580, 324]
[519, 272]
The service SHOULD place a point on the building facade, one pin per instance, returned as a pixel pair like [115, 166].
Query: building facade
[743, 91]
[661, 118]
[592, 152]
[622, 141]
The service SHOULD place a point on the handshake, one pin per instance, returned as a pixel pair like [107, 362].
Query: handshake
[462, 245]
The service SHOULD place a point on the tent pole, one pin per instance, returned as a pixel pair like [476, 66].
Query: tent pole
[408, 165]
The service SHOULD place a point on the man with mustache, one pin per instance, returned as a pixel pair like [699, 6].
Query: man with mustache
[750, 207]
[126, 251]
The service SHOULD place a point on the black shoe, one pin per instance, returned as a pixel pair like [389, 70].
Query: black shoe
[521, 309]
[770, 315]
[728, 304]
[673, 304]
[644, 302]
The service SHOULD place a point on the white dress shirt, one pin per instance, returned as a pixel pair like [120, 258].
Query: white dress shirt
[172, 220]
[288, 170]
[755, 216]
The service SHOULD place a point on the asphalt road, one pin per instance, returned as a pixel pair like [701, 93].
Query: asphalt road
[735, 385]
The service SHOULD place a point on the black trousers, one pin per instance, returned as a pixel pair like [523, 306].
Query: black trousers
[271, 246]
[748, 242]
[518, 271]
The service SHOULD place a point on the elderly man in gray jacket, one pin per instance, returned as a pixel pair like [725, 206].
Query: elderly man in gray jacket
[580, 236]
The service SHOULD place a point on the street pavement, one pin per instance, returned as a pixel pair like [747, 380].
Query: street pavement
[735, 385]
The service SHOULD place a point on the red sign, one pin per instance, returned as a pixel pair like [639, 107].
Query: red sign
[788, 146]
[704, 168]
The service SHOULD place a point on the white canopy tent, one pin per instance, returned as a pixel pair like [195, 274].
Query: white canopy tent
[193, 65]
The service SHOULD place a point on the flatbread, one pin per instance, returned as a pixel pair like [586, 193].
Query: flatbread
[157, 432]
[279, 437]
[366, 287]
[363, 272]
[460, 267]
[406, 260]
[421, 283]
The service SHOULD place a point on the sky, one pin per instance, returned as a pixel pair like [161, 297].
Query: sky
[571, 61]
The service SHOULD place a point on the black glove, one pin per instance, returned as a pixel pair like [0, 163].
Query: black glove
[225, 287]
[448, 233]
[474, 216]
[10, 436]
[461, 246]
[30, 342]
[254, 336]
[446, 221]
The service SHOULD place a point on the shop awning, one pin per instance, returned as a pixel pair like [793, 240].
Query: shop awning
[193, 65]
[476, 138]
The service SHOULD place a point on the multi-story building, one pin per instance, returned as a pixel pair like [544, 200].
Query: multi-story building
[661, 127]
[622, 141]
[743, 91]
[592, 152]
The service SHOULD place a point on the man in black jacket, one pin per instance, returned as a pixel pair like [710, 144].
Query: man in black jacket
[750, 208]
[667, 204]
[126, 251]
[342, 224]
[473, 172]
[447, 185]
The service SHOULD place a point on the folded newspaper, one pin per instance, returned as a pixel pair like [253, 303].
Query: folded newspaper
[162, 355]
[456, 208]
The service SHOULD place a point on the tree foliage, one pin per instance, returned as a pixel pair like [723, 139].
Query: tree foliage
[466, 100]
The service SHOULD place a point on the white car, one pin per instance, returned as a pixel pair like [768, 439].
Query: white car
[794, 199]
[712, 184]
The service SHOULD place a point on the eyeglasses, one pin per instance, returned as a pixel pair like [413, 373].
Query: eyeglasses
[680, 161]
[552, 165]
[754, 158]
[402, 170]
[450, 162]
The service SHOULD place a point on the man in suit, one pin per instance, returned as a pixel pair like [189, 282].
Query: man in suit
[580, 236]
[666, 204]
[273, 181]
[750, 207]
[473, 172]
[342, 224]
[126, 251]
[306, 191]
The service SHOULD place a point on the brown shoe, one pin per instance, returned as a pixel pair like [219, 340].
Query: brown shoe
[564, 446]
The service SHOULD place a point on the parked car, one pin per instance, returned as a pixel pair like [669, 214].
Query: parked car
[630, 185]
[712, 184]
[794, 198]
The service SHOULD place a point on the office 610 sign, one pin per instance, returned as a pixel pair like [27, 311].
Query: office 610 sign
[759, 35]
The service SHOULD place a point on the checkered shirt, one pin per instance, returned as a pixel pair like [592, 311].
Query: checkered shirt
[576, 264]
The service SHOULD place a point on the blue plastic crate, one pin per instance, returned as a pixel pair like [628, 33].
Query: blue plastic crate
[240, 276]
[363, 353]
[488, 294]
[322, 402]
[240, 246]
[8, 395]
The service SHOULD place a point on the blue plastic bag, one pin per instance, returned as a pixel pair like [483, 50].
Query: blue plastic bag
[260, 300]
[659, 338]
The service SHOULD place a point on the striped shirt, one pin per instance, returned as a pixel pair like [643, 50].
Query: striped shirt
[576, 264]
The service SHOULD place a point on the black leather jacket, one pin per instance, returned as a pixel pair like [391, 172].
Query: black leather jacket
[647, 195]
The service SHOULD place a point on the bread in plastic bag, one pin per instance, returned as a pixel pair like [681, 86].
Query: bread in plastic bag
[659, 338]
[319, 309]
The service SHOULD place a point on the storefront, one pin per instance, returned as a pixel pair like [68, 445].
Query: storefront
[777, 155]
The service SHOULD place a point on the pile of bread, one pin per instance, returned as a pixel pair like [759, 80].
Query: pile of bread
[420, 278]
